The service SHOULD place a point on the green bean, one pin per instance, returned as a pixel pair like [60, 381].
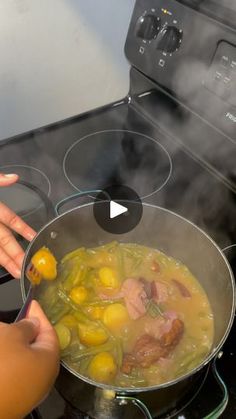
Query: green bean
[64, 271]
[70, 350]
[132, 250]
[102, 325]
[57, 314]
[109, 246]
[75, 253]
[81, 316]
[84, 363]
[119, 352]
[75, 277]
[49, 294]
[64, 297]
[84, 353]
[101, 303]
[132, 380]
[137, 263]
[49, 300]
[120, 263]
[135, 255]
[154, 309]
[78, 314]
[190, 362]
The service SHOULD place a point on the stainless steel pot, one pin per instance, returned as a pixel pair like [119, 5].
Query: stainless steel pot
[179, 238]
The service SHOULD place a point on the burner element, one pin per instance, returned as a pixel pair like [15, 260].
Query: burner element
[121, 157]
[28, 197]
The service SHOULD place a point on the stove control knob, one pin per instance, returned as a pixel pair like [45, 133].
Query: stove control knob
[148, 26]
[169, 39]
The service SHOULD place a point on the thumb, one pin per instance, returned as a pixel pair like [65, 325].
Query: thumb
[46, 337]
[7, 179]
[28, 329]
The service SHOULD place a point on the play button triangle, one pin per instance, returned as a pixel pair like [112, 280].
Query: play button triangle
[116, 209]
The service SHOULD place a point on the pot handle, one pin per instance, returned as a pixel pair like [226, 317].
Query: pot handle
[228, 247]
[140, 405]
[78, 195]
[217, 412]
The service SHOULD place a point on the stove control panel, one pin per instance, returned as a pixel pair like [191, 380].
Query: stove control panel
[151, 27]
[221, 78]
[188, 53]
[170, 39]
[148, 26]
[155, 36]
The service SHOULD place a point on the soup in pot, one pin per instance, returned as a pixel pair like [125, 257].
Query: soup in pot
[128, 315]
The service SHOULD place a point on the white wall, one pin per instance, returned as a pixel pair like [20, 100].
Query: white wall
[59, 58]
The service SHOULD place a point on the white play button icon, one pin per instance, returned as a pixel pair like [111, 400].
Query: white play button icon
[116, 209]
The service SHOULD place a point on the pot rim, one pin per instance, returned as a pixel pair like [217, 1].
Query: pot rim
[211, 355]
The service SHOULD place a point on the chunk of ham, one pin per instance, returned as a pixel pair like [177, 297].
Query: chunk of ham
[133, 292]
[137, 293]
[148, 350]
[182, 288]
[159, 326]
[159, 291]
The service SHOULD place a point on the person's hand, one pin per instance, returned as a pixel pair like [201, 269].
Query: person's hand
[11, 254]
[29, 363]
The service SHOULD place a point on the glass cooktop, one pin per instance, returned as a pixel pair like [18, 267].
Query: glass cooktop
[112, 145]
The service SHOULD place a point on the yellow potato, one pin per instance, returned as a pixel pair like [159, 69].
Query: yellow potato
[69, 321]
[95, 312]
[91, 335]
[45, 263]
[79, 294]
[102, 368]
[63, 334]
[115, 317]
[108, 278]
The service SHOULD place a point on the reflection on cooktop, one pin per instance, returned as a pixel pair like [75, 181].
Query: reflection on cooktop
[112, 157]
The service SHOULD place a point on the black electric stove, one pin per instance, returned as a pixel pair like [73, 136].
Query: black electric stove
[165, 143]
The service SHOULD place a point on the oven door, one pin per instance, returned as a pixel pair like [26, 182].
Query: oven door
[222, 10]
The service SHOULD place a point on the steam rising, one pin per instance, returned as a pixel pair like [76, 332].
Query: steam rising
[203, 192]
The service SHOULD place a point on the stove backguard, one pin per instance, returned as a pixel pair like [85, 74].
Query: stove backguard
[188, 54]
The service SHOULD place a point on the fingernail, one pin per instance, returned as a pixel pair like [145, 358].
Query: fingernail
[31, 236]
[35, 321]
[10, 175]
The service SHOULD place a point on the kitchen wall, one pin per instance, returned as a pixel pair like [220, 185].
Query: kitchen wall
[59, 58]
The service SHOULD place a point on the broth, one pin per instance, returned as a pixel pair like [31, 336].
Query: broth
[128, 315]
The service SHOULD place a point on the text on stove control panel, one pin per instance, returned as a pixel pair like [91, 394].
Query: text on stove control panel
[221, 78]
